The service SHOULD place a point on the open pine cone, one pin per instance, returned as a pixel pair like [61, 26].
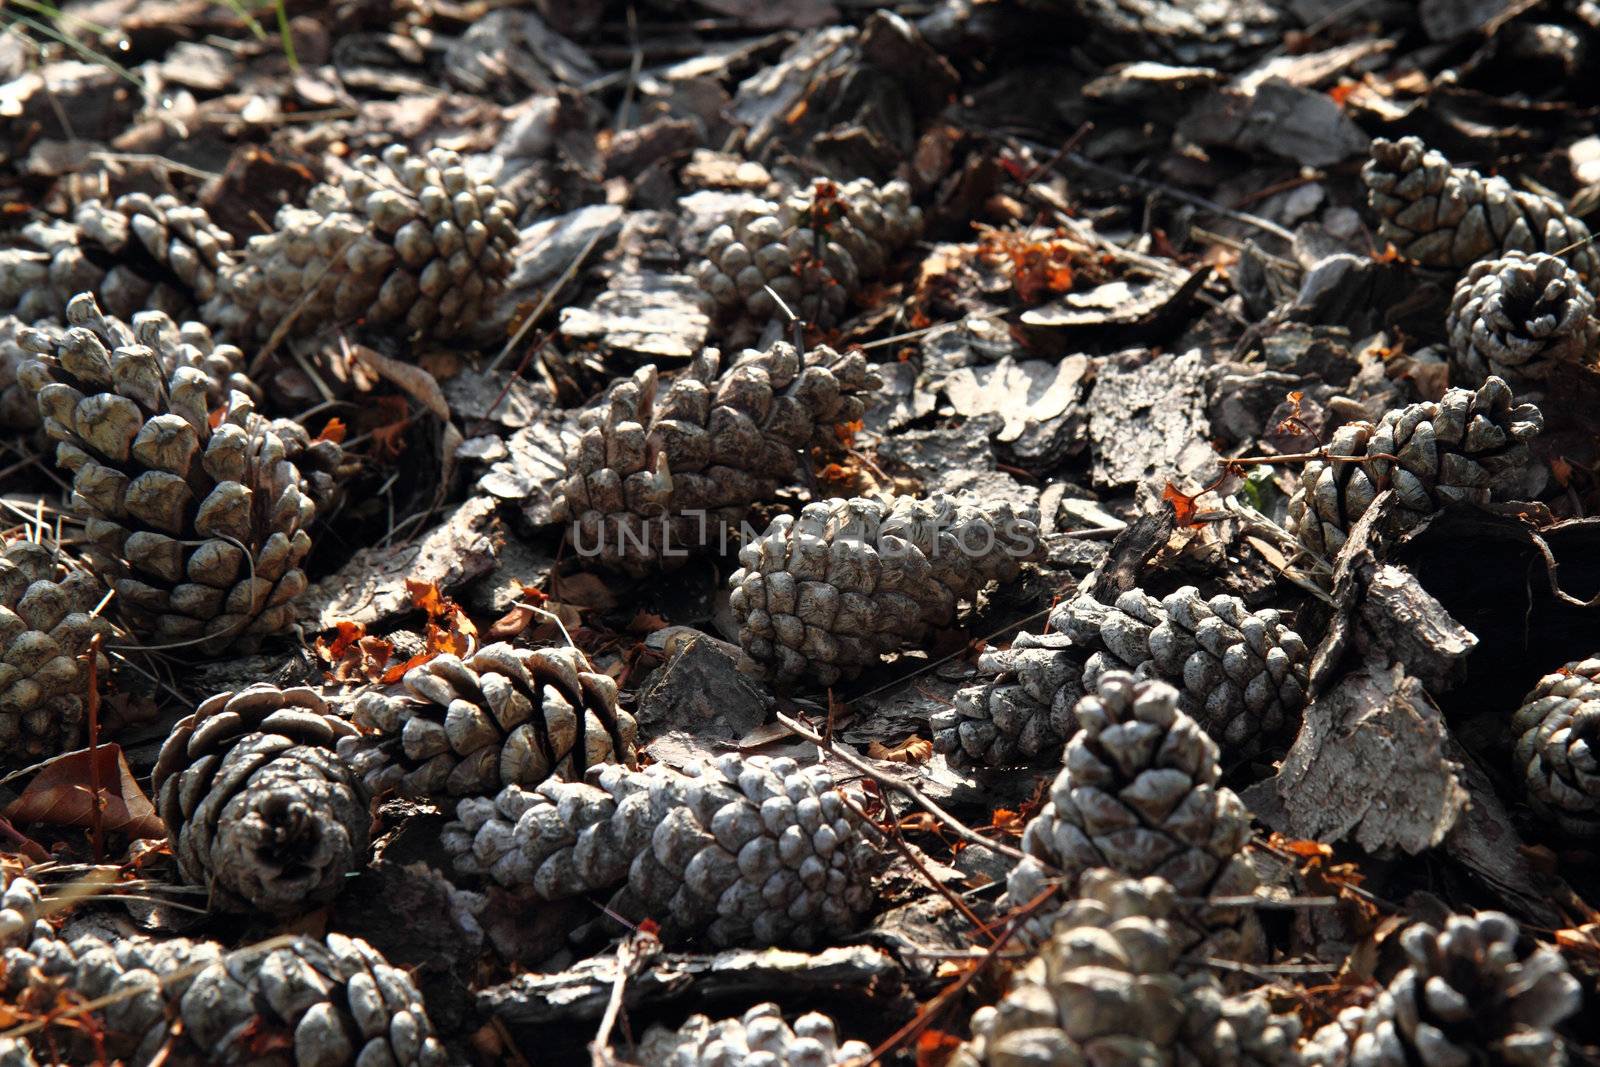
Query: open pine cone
[1519, 316]
[759, 1038]
[260, 809]
[824, 595]
[1557, 747]
[202, 508]
[21, 905]
[743, 851]
[18, 408]
[406, 241]
[1471, 446]
[503, 716]
[653, 479]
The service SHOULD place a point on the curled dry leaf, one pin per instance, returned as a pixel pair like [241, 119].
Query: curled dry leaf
[61, 794]
[914, 750]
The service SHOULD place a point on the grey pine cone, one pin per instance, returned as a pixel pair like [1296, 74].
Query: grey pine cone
[1471, 446]
[823, 595]
[503, 716]
[1450, 217]
[741, 851]
[204, 522]
[1557, 747]
[46, 624]
[654, 478]
[815, 249]
[758, 1038]
[260, 808]
[1140, 794]
[21, 911]
[407, 241]
[1023, 708]
[1477, 992]
[1518, 317]
[18, 408]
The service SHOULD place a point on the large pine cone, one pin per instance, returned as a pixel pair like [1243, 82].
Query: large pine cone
[46, 624]
[1519, 316]
[206, 506]
[815, 249]
[1557, 747]
[1140, 795]
[1477, 992]
[1451, 217]
[260, 809]
[1471, 446]
[504, 716]
[824, 595]
[759, 1038]
[138, 253]
[406, 241]
[743, 851]
[332, 1002]
[652, 480]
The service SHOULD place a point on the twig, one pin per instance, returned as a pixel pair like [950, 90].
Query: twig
[548, 299]
[97, 823]
[632, 951]
[897, 839]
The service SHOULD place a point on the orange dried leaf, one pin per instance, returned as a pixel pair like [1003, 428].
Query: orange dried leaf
[1301, 847]
[61, 794]
[425, 595]
[1561, 470]
[846, 431]
[398, 671]
[1390, 254]
[935, 1047]
[345, 634]
[1183, 506]
[913, 750]
[335, 431]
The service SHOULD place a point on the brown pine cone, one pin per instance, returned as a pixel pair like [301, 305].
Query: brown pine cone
[261, 810]
[405, 241]
[1557, 747]
[503, 716]
[1451, 217]
[1471, 446]
[653, 479]
[824, 595]
[759, 1038]
[1520, 316]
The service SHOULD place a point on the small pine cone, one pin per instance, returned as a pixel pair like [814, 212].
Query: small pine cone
[46, 624]
[205, 505]
[1140, 795]
[824, 595]
[1478, 992]
[1470, 446]
[759, 1038]
[1022, 711]
[742, 851]
[1557, 748]
[504, 716]
[1518, 317]
[406, 241]
[260, 808]
[652, 479]
[815, 249]
[21, 905]
[1451, 217]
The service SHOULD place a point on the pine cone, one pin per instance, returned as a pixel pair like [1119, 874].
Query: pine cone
[1557, 747]
[759, 1038]
[138, 253]
[1023, 709]
[1140, 795]
[1451, 217]
[21, 905]
[333, 1002]
[824, 595]
[1478, 992]
[260, 809]
[1470, 446]
[743, 851]
[1518, 317]
[815, 249]
[650, 481]
[18, 408]
[406, 241]
[505, 716]
[209, 517]
[45, 626]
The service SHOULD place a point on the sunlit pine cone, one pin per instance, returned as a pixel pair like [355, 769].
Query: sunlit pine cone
[815, 249]
[1021, 711]
[744, 851]
[1477, 992]
[1557, 747]
[1519, 316]
[1141, 794]
[260, 809]
[503, 716]
[653, 479]
[21, 911]
[203, 507]
[1471, 446]
[1451, 217]
[1235, 1031]
[314, 1002]
[406, 241]
[1225, 34]
[138, 253]
[18, 408]
[47, 620]
[759, 1038]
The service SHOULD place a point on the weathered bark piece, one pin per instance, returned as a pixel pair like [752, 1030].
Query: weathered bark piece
[1147, 420]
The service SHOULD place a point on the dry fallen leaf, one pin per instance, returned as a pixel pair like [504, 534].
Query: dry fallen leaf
[61, 795]
[912, 750]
